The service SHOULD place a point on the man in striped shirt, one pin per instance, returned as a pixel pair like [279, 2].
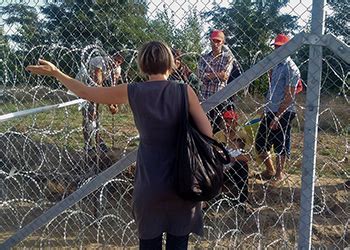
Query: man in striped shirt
[214, 70]
[101, 71]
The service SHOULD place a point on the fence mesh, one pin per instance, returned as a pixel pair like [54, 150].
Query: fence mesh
[48, 154]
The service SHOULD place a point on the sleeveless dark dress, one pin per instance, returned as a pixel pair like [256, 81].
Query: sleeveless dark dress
[156, 106]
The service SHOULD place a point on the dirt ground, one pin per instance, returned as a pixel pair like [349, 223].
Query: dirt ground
[270, 218]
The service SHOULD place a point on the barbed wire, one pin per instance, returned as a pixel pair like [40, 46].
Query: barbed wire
[43, 160]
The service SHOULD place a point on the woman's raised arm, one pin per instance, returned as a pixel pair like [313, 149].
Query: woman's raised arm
[106, 95]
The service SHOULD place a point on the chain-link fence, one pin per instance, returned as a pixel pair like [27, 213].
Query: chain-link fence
[67, 165]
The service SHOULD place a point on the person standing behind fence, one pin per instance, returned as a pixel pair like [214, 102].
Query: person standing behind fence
[236, 69]
[102, 71]
[275, 126]
[182, 72]
[235, 73]
[156, 106]
[213, 70]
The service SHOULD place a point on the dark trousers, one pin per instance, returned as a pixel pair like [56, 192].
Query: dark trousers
[278, 138]
[236, 180]
[172, 243]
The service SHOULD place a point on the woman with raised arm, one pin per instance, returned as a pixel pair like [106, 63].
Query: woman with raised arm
[156, 106]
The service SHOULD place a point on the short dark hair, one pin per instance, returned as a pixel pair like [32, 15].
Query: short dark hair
[117, 56]
[155, 58]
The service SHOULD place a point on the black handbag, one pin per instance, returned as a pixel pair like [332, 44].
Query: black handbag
[200, 160]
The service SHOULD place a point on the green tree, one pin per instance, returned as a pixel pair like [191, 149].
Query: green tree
[188, 39]
[335, 70]
[111, 24]
[25, 34]
[27, 25]
[338, 21]
[163, 27]
[251, 25]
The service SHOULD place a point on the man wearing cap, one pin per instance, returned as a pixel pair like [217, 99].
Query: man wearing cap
[275, 126]
[182, 73]
[213, 70]
[101, 71]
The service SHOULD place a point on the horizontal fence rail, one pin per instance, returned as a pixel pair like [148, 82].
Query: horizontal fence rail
[18, 114]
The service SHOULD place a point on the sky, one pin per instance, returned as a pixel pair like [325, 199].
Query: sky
[301, 8]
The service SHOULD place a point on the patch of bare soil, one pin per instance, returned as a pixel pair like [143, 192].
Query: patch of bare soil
[270, 218]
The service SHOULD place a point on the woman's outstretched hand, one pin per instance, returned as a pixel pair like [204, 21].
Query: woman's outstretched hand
[44, 68]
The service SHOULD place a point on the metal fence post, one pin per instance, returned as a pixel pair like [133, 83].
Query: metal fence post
[311, 126]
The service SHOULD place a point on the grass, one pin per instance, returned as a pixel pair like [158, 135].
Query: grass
[332, 158]
[55, 125]
[63, 128]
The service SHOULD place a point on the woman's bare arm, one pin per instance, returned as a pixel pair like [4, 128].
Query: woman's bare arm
[106, 95]
[197, 113]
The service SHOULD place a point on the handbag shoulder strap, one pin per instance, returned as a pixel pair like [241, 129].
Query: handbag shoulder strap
[185, 125]
[184, 96]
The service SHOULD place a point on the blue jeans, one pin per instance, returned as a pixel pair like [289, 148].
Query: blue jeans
[172, 243]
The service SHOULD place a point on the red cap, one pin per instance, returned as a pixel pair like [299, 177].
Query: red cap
[280, 39]
[217, 34]
[230, 114]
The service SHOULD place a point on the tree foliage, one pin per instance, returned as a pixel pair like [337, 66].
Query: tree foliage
[111, 24]
[115, 25]
[338, 21]
[188, 38]
[27, 21]
[336, 70]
